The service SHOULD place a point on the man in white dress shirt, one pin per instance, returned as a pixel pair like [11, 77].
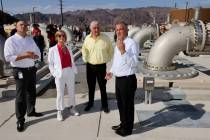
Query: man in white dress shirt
[124, 67]
[21, 51]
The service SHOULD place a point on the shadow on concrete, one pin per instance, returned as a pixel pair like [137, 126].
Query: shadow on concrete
[44, 118]
[161, 94]
[207, 72]
[112, 103]
[169, 116]
[8, 95]
[184, 65]
[202, 69]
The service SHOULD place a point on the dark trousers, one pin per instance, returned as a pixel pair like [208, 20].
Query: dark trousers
[42, 55]
[97, 72]
[125, 91]
[26, 92]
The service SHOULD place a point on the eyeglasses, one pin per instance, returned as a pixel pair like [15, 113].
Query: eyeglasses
[61, 36]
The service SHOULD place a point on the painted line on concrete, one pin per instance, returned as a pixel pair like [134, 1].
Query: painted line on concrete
[99, 125]
[4, 122]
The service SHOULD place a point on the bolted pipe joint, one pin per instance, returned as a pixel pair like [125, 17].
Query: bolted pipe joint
[192, 38]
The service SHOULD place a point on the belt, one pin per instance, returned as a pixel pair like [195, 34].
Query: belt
[96, 64]
[127, 76]
[26, 68]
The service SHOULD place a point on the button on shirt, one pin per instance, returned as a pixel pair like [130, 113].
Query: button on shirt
[97, 51]
[16, 45]
[125, 64]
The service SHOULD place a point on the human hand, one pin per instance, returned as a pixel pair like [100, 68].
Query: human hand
[108, 75]
[121, 45]
[35, 56]
[30, 54]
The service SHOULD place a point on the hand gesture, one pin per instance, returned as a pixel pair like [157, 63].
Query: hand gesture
[108, 75]
[30, 54]
[121, 45]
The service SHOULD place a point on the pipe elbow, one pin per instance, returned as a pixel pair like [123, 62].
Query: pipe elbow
[144, 35]
[133, 31]
[167, 46]
[68, 33]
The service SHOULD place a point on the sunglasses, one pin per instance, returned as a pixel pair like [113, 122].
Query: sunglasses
[61, 36]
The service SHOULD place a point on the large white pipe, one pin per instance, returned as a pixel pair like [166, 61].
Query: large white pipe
[167, 46]
[133, 31]
[44, 33]
[197, 13]
[68, 33]
[144, 34]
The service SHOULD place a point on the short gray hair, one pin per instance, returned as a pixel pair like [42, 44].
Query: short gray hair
[93, 23]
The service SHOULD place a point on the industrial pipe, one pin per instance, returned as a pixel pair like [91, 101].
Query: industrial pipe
[68, 33]
[133, 31]
[192, 38]
[197, 13]
[42, 27]
[145, 34]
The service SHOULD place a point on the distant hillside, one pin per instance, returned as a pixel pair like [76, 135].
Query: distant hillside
[107, 17]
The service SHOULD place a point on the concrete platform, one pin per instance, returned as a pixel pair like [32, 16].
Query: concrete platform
[96, 125]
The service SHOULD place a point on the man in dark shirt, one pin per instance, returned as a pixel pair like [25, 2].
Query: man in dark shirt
[39, 40]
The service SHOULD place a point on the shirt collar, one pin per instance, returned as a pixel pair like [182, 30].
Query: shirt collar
[19, 36]
[96, 37]
[125, 38]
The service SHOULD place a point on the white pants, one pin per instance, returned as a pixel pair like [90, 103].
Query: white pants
[68, 79]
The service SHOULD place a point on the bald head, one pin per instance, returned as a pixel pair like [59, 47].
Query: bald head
[94, 28]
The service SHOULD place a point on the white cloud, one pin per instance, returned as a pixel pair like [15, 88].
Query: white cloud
[47, 7]
[52, 9]
[90, 7]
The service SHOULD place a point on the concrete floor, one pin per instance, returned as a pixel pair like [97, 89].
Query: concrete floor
[185, 112]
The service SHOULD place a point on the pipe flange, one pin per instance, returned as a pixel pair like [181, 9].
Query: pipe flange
[208, 33]
[179, 73]
[200, 35]
[158, 68]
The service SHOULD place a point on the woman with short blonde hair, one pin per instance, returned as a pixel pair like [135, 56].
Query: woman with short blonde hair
[62, 67]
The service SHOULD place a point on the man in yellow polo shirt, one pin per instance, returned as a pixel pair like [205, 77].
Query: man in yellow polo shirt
[97, 50]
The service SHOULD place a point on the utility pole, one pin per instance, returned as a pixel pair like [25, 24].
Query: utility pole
[2, 9]
[186, 11]
[61, 7]
[34, 14]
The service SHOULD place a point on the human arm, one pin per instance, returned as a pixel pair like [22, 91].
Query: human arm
[110, 50]
[51, 62]
[36, 49]
[130, 56]
[121, 45]
[108, 75]
[84, 51]
[28, 54]
[11, 53]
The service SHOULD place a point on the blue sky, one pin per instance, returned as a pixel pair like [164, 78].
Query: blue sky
[52, 6]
